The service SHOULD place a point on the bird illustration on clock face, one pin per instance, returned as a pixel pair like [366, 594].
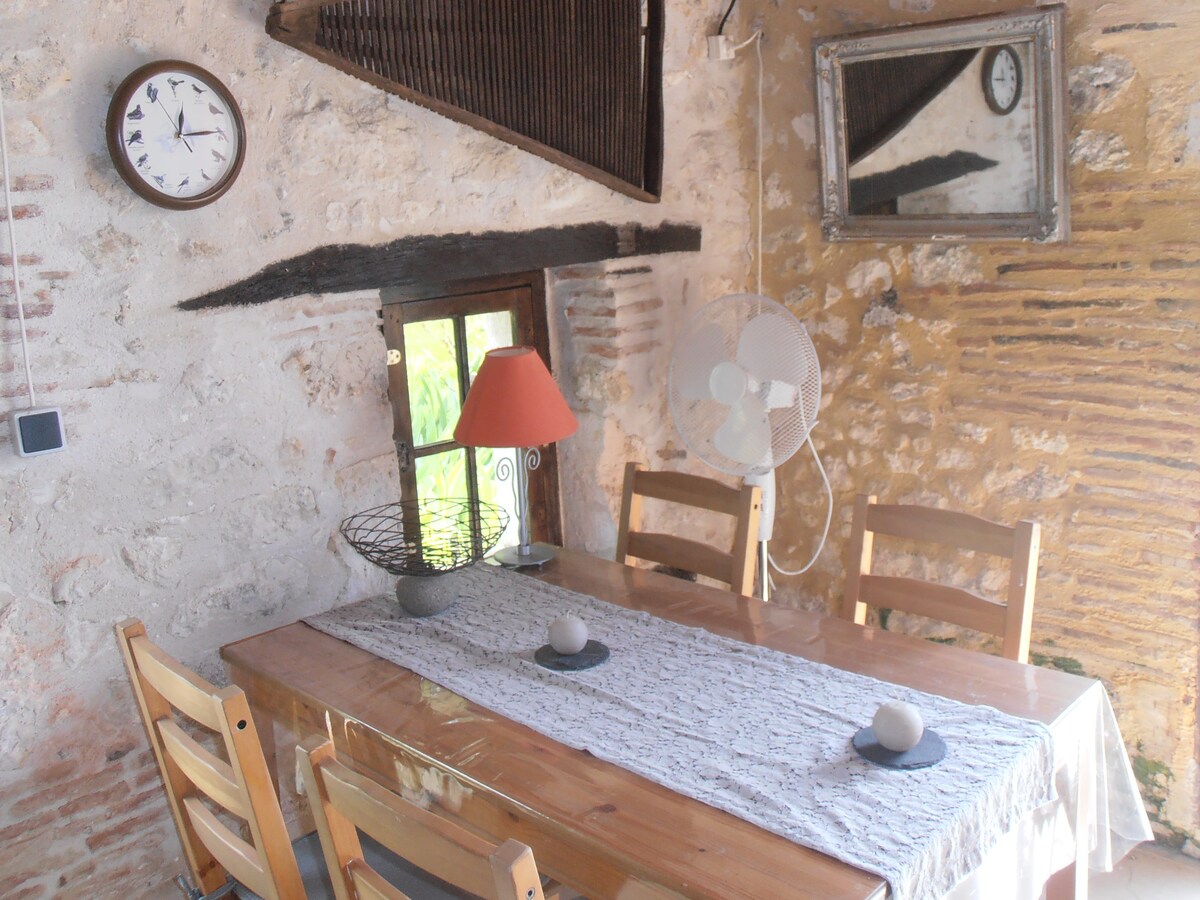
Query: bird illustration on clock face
[175, 134]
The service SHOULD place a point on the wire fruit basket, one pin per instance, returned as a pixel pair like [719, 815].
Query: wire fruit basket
[425, 537]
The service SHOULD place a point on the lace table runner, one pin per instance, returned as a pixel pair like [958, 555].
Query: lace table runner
[761, 734]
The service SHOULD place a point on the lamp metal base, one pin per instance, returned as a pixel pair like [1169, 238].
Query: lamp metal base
[538, 554]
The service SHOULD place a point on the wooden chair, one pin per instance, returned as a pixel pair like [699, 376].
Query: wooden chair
[343, 802]
[734, 566]
[1011, 621]
[194, 777]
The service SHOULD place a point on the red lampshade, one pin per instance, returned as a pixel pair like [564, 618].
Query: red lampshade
[514, 402]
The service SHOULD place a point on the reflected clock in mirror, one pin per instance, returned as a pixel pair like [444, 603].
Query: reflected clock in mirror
[1002, 80]
[950, 131]
[175, 134]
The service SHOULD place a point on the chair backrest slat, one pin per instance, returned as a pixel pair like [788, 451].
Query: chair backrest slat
[452, 855]
[1011, 621]
[211, 775]
[370, 885]
[179, 686]
[343, 802]
[680, 553]
[934, 601]
[688, 490]
[941, 526]
[238, 857]
[239, 784]
[733, 566]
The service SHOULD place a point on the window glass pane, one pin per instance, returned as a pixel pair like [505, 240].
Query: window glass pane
[486, 331]
[500, 493]
[442, 475]
[432, 381]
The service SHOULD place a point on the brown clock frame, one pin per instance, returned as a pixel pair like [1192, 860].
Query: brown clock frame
[114, 134]
[990, 98]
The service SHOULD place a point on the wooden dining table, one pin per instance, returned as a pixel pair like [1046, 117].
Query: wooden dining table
[595, 826]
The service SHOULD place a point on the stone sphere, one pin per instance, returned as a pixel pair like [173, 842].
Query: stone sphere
[568, 635]
[425, 595]
[898, 726]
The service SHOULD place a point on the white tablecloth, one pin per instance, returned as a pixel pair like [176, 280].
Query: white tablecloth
[758, 733]
[1096, 818]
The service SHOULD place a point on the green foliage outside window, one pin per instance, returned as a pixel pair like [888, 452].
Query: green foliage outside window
[435, 407]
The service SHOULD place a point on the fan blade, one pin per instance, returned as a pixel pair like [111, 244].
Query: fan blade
[767, 349]
[745, 435]
[696, 359]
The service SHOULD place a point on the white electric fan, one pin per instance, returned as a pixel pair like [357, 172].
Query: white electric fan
[744, 390]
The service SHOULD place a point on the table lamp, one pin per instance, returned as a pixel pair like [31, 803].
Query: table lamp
[514, 402]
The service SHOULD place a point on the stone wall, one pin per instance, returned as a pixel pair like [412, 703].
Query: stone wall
[212, 455]
[1056, 383]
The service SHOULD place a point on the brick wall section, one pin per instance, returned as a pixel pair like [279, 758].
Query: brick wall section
[1057, 383]
[612, 313]
[88, 819]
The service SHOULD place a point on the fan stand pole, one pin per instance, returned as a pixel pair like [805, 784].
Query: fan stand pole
[766, 526]
[764, 575]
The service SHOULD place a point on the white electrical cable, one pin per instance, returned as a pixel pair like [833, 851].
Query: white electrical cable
[756, 38]
[12, 248]
[759, 152]
[828, 518]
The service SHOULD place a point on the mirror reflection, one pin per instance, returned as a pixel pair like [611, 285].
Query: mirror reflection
[941, 133]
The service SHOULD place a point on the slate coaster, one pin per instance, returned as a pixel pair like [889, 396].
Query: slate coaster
[930, 750]
[592, 654]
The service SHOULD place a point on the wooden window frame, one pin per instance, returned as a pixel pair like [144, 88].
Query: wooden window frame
[530, 328]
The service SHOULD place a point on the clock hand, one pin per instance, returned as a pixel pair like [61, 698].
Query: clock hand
[199, 133]
[172, 121]
[179, 134]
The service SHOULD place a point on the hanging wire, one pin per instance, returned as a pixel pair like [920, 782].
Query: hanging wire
[12, 245]
[725, 18]
[757, 40]
[759, 151]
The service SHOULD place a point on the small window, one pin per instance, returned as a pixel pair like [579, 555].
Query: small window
[441, 343]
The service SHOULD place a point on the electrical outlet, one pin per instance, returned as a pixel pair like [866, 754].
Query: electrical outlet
[38, 431]
[720, 46]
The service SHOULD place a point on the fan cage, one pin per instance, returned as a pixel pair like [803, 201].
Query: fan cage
[425, 537]
[793, 359]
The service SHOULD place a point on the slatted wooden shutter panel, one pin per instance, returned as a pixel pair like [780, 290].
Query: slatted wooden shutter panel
[576, 81]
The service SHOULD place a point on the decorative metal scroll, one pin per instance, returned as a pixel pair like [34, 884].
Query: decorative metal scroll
[578, 82]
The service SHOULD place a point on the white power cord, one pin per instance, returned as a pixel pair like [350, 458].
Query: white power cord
[757, 39]
[828, 518]
[12, 248]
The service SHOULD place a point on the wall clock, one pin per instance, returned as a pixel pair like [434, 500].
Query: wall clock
[175, 134]
[1002, 79]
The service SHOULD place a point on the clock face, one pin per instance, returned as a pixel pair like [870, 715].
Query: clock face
[1002, 79]
[176, 135]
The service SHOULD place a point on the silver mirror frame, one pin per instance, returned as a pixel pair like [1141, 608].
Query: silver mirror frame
[1048, 222]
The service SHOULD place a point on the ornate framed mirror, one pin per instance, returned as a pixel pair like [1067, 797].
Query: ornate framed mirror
[951, 131]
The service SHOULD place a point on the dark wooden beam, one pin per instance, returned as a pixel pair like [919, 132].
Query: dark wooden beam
[870, 191]
[420, 265]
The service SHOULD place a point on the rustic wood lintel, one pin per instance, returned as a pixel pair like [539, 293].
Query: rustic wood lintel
[422, 265]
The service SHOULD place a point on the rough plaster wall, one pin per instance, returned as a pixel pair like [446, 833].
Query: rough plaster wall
[1056, 383]
[211, 456]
